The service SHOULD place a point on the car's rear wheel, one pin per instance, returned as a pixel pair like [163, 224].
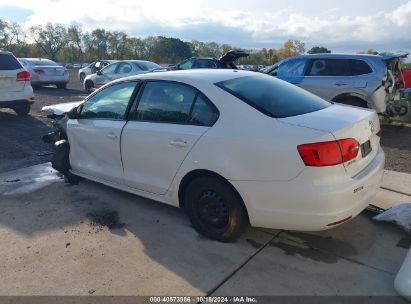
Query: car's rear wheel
[22, 110]
[215, 208]
[88, 86]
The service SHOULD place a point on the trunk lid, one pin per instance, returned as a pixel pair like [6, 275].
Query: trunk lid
[9, 68]
[345, 122]
[51, 70]
[231, 56]
[9, 83]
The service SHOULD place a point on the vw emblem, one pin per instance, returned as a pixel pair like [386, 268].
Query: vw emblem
[371, 124]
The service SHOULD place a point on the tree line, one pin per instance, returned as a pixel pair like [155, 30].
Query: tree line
[73, 44]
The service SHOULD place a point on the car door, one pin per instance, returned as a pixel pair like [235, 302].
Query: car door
[105, 75]
[292, 70]
[169, 120]
[95, 136]
[328, 77]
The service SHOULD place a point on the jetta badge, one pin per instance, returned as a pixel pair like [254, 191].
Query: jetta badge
[371, 124]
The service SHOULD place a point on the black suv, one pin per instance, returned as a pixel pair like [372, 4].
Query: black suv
[224, 62]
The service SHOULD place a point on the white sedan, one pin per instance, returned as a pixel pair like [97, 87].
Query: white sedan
[230, 147]
[119, 69]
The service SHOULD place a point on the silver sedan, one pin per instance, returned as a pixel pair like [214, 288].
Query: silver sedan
[45, 72]
[118, 70]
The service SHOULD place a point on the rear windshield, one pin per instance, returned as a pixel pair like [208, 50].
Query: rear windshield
[42, 62]
[9, 62]
[273, 97]
[147, 65]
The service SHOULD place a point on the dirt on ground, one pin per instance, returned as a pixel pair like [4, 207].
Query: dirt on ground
[21, 144]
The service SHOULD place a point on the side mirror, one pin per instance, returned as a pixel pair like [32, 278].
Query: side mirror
[74, 113]
[99, 72]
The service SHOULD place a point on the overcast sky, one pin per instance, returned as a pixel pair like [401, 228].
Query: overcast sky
[342, 26]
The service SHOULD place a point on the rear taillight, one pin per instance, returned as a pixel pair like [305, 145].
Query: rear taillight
[349, 149]
[38, 71]
[23, 76]
[329, 153]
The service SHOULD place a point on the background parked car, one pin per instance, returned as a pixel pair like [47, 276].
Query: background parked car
[15, 89]
[224, 62]
[359, 80]
[119, 69]
[92, 68]
[46, 72]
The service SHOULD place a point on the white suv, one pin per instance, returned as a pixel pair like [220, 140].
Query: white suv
[15, 89]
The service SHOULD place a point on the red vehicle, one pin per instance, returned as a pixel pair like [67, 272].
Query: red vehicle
[405, 77]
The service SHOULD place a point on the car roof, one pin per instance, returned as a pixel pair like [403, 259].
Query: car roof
[37, 59]
[336, 55]
[136, 61]
[207, 58]
[193, 76]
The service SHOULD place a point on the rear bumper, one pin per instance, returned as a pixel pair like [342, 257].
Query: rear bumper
[12, 99]
[45, 80]
[305, 205]
[14, 103]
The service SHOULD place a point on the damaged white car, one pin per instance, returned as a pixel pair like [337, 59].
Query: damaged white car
[230, 147]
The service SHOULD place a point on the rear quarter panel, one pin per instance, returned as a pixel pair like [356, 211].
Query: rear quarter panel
[245, 145]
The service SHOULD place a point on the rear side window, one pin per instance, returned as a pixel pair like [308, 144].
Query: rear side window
[9, 62]
[359, 67]
[273, 97]
[205, 64]
[203, 113]
[170, 102]
[165, 102]
[330, 67]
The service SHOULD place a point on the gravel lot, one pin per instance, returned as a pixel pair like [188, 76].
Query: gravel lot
[21, 143]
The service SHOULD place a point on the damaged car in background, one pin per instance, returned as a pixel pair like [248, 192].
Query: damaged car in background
[119, 69]
[229, 147]
[226, 61]
[369, 81]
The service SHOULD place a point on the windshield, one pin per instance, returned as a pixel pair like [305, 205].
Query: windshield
[147, 65]
[273, 97]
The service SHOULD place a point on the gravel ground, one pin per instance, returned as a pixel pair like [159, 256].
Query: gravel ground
[21, 143]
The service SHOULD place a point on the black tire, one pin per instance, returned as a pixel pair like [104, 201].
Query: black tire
[82, 76]
[215, 208]
[88, 86]
[61, 86]
[22, 110]
[353, 101]
[61, 161]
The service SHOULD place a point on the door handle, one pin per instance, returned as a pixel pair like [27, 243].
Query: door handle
[340, 83]
[112, 136]
[178, 143]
